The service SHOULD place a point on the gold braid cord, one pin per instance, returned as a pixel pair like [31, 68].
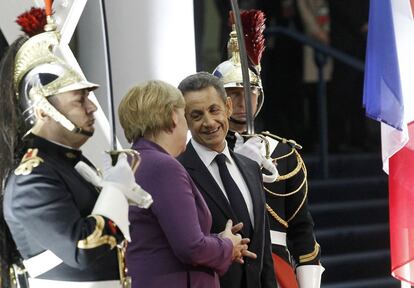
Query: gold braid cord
[294, 171]
[126, 281]
[310, 256]
[280, 219]
[96, 239]
[276, 216]
[299, 167]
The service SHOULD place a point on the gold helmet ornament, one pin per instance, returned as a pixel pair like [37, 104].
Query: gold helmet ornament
[230, 71]
[39, 73]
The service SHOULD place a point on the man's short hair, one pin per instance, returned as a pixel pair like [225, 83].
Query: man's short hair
[147, 109]
[200, 81]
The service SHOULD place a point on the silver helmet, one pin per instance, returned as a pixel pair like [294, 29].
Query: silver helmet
[39, 73]
[230, 71]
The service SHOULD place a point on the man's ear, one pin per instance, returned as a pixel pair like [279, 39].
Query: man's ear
[40, 114]
[229, 107]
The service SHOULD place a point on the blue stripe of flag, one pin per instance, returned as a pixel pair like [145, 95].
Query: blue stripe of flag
[382, 87]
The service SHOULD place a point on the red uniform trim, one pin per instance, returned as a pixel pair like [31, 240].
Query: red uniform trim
[285, 275]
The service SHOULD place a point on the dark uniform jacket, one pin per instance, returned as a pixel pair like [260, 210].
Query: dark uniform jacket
[290, 214]
[256, 273]
[47, 206]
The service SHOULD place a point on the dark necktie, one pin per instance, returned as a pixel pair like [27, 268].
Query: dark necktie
[234, 195]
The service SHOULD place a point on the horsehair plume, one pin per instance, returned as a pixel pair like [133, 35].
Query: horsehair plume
[253, 26]
[32, 22]
[10, 140]
[48, 7]
[10, 116]
[253, 22]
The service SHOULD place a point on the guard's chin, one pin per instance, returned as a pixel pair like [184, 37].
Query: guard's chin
[85, 132]
[236, 121]
[89, 133]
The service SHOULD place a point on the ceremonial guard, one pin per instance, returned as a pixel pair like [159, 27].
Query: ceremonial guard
[64, 219]
[291, 223]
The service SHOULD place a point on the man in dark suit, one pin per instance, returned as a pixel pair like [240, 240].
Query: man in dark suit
[207, 111]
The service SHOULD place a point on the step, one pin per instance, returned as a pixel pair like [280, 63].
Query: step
[339, 240]
[356, 266]
[346, 165]
[349, 213]
[344, 189]
[384, 282]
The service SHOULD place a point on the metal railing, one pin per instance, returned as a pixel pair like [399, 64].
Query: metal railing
[322, 51]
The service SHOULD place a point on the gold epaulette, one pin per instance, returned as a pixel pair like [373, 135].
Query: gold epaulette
[29, 161]
[291, 142]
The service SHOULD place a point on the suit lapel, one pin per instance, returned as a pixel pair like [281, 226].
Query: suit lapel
[253, 185]
[203, 178]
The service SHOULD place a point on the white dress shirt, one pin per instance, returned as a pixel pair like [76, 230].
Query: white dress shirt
[207, 156]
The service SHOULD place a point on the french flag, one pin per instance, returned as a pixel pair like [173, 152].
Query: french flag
[389, 98]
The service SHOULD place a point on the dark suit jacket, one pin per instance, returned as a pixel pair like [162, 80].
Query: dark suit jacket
[257, 273]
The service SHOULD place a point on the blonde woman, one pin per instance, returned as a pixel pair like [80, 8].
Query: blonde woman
[171, 245]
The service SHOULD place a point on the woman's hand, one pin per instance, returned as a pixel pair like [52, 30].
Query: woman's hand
[240, 247]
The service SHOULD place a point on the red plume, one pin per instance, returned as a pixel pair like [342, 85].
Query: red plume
[48, 7]
[253, 22]
[32, 22]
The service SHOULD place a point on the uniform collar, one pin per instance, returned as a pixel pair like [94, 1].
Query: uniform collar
[233, 137]
[55, 149]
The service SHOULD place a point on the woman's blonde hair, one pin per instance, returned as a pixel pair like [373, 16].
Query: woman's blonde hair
[147, 109]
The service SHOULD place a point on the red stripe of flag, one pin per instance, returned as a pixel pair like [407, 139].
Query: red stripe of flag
[401, 193]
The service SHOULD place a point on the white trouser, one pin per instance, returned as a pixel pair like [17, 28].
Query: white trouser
[41, 283]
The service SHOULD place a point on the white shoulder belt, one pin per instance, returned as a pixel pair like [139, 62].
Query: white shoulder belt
[278, 238]
[41, 263]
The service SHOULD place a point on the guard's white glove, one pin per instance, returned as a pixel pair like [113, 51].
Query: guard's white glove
[118, 188]
[271, 167]
[111, 202]
[252, 149]
[118, 175]
[309, 276]
[122, 174]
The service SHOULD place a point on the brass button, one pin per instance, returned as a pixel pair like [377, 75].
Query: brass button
[70, 155]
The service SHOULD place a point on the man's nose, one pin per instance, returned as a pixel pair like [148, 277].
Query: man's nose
[207, 120]
[90, 106]
[242, 102]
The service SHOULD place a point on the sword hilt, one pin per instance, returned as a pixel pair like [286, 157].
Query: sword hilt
[135, 157]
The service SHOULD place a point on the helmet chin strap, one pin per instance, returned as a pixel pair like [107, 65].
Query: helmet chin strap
[57, 116]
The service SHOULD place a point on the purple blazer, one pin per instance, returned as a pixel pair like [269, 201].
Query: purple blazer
[171, 243]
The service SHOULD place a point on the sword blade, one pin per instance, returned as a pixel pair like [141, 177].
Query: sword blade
[107, 55]
[244, 67]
